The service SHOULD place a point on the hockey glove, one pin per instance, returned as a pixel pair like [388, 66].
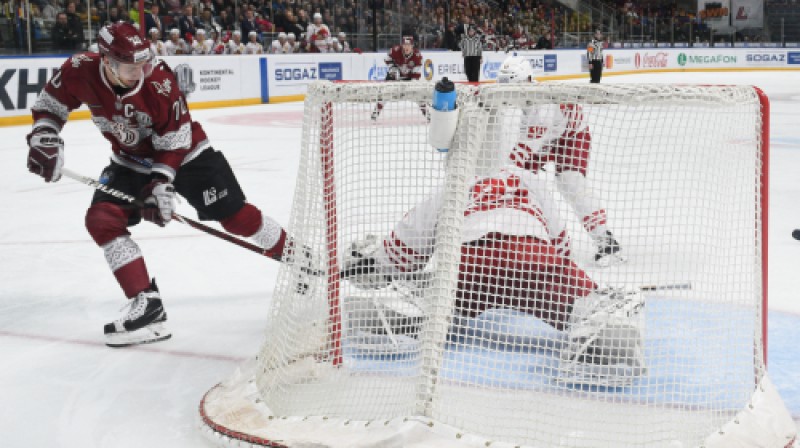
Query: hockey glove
[45, 154]
[393, 74]
[159, 200]
[361, 266]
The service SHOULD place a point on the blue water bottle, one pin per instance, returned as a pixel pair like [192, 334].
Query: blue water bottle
[444, 95]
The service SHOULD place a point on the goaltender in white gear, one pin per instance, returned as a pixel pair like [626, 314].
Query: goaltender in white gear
[507, 261]
[558, 135]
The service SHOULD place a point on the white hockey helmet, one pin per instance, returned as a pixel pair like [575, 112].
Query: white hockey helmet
[281, 35]
[515, 69]
[291, 36]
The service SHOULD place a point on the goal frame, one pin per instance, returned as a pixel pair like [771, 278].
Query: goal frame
[333, 291]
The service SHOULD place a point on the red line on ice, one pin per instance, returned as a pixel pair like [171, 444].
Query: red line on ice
[141, 348]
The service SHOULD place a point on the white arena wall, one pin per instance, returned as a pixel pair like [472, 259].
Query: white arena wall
[219, 81]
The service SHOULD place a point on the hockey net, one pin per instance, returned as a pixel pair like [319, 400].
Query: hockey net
[680, 173]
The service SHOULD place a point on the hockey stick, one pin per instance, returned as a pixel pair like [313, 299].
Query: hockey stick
[666, 287]
[140, 204]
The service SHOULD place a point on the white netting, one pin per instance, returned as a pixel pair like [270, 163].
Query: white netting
[491, 265]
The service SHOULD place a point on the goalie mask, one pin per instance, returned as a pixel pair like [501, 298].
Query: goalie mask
[129, 57]
[515, 69]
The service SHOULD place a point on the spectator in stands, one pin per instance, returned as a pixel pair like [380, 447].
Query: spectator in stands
[226, 21]
[217, 45]
[302, 20]
[263, 23]
[113, 14]
[253, 47]
[292, 26]
[544, 42]
[152, 19]
[101, 12]
[461, 28]
[449, 42]
[292, 45]
[62, 35]
[188, 23]
[156, 44]
[279, 45]
[75, 25]
[209, 23]
[340, 44]
[319, 35]
[249, 24]
[209, 5]
[173, 6]
[175, 44]
[201, 45]
[49, 12]
[235, 45]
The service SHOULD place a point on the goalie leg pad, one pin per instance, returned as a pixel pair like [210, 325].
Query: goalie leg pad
[383, 321]
[604, 342]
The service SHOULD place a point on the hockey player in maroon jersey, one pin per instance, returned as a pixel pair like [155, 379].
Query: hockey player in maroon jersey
[404, 63]
[559, 134]
[157, 151]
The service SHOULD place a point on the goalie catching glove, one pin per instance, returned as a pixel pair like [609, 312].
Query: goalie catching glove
[159, 199]
[45, 153]
[361, 265]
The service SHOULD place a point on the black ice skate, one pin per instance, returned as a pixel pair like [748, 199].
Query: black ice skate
[608, 251]
[143, 323]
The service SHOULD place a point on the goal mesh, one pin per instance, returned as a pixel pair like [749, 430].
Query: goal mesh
[677, 173]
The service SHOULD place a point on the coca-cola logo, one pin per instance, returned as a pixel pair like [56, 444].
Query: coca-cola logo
[647, 60]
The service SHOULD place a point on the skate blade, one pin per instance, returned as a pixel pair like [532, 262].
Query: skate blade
[611, 260]
[146, 335]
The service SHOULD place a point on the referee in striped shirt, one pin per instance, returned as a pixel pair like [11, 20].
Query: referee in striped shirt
[471, 50]
[594, 53]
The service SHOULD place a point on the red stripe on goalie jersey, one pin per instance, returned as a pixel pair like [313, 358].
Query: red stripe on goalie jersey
[496, 193]
[597, 218]
[410, 67]
[150, 123]
[568, 153]
[403, 257]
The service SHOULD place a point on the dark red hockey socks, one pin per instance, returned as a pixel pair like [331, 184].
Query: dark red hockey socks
[265, 231]
[107, 224]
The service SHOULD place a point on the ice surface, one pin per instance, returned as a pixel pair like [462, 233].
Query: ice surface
[61, 387]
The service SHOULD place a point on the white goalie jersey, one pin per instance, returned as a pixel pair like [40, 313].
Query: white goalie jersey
[501, 204]
[541, 126]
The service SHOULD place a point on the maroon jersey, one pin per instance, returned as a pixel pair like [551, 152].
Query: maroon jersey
[149, 126]
[410, 66]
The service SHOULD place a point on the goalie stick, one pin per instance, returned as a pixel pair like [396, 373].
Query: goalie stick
[140, 204]
[666, 287]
